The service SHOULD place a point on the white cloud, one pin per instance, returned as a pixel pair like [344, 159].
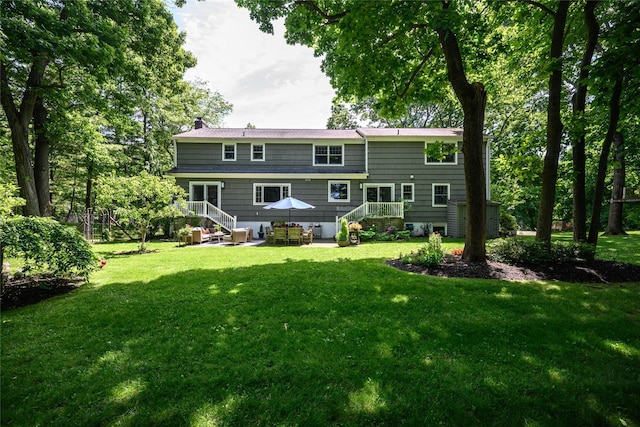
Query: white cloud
[270, 84]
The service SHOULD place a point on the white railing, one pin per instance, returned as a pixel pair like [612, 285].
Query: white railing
[207, 210]
[374, 210]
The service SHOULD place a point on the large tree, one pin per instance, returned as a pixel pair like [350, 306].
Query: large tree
[123, 47]
[399, 53]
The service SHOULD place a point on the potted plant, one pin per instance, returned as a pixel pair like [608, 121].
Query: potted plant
[354, 233]
[183, 234]
[343, 235]
[261, 232]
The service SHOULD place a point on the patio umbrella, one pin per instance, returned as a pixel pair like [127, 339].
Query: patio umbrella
[289, 203]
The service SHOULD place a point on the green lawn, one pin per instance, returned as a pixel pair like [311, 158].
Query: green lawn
[216, 336]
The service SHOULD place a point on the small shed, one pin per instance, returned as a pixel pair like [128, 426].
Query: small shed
[457, 218]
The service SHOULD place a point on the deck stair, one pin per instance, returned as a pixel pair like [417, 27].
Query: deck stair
[373, 210]
[204, 209]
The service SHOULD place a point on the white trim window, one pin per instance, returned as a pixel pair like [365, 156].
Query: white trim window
[257, 153]
[205, 191]
[328, 155]
[379, 193]
[229, 152]
[439, 195]
[447, 153]
[265, 193]
[339, 191]
[408, 191]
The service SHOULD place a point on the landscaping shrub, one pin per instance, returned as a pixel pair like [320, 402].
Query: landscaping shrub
[46, 246]
[430, 254]
[530, 251]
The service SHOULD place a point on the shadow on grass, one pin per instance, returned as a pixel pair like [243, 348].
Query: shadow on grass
[318, 345]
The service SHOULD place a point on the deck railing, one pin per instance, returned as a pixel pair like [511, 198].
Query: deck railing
[207, 210]
[373, 210]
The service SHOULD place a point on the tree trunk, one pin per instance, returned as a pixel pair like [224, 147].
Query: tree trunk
[89, 187]
[41, 158]
[614, 225]
[472, 97]
[18, 121]
[614, 115]
[554, 128]
[579, 102]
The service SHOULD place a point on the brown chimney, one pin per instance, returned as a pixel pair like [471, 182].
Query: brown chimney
[198, 123]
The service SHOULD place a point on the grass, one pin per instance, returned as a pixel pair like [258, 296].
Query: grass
[210, 336]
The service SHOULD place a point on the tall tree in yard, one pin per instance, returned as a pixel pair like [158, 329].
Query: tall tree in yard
[399, 53]
[114, 45]
[554, 121]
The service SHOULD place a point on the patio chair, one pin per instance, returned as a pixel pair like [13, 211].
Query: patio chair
[280, 234]
[294, 235]
[268, 235]
[238, 235]
[307, 236]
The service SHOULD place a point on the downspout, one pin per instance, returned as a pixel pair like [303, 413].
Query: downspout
[487, 169]
[366, 157]
[175, 153]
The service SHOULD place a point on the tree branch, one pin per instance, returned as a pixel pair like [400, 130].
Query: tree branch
[415, 73]
[540, 6]
[330, 19]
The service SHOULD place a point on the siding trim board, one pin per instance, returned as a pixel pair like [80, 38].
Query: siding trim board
[245, 175]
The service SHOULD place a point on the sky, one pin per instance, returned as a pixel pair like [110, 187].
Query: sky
[271, 84]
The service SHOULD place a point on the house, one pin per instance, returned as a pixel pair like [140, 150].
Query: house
[231, 174]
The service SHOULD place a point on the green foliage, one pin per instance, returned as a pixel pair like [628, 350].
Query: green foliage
[343, 234]
[430, 254]
[532, 251]
[507, 222]
[140, 201]
[8, 198]
[46, 246]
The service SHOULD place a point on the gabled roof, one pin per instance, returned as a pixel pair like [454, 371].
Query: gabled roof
[237, 133]
[373, 132]
[317, 134]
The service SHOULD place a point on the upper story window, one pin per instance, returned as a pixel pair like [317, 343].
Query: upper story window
[327, 155]
[408, 191]
[441, 153]
[229, 152]
[263, 194]
[257, 152]
[339, 191]
[439, 195]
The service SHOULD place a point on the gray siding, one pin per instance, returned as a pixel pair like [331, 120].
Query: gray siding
[277, 156]
[237, 199]
[395, 162]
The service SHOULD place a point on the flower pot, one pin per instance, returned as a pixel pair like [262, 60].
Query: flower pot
[343, 243]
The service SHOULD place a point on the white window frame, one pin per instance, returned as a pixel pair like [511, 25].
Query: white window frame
[253, 159]
[328, 146]
[441, 162]
[433, 193]
[235, 152]
[413, 191]
[205, 184]
[378, 185]
[282, 186]
[441, 224]
[331, 199]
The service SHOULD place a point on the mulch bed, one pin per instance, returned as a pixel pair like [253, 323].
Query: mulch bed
[596, 272]
[21, 292]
